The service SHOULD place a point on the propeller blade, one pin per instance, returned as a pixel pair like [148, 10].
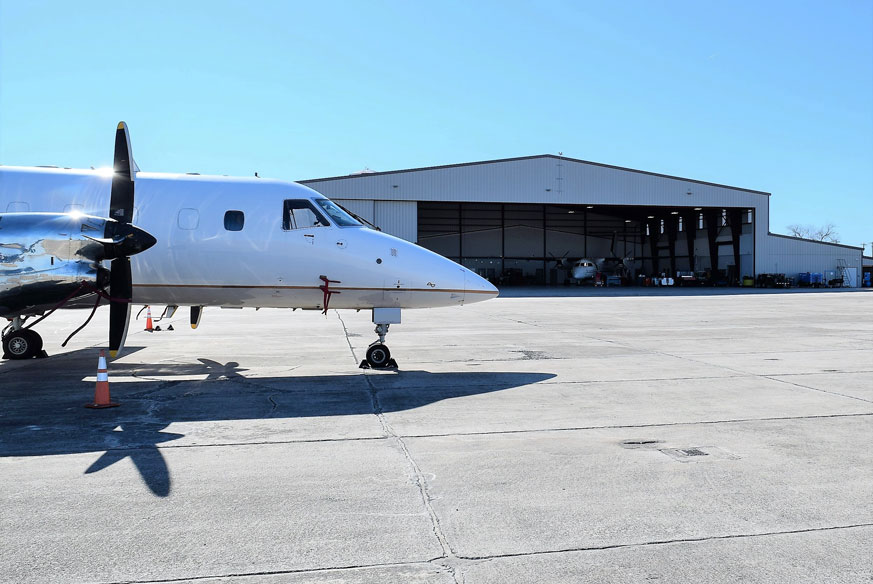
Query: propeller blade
[120, 287]
[119, 319]
[121, 198]
[196, 314]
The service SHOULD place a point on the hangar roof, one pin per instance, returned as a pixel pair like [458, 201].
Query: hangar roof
[817, 241]
[371, 174]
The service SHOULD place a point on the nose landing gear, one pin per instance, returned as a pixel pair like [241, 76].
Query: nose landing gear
[378, 355]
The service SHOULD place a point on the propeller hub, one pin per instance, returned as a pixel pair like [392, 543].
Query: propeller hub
[127, 240]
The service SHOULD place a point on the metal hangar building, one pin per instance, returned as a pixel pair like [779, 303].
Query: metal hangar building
[510, 219]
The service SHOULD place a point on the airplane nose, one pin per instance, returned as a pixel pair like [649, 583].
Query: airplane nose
[477, 288]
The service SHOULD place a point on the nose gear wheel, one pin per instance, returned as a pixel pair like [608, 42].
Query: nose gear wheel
[378, 356]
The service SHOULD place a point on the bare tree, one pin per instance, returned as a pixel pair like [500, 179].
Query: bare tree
[826, 232]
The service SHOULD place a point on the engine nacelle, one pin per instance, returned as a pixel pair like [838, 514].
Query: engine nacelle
[45, 257]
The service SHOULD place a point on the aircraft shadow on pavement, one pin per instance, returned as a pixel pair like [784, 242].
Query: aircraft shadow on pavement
[44, 413]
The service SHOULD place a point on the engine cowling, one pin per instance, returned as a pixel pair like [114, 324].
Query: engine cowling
[45, 257]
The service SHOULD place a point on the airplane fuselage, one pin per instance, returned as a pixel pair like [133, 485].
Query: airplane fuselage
[225, 241]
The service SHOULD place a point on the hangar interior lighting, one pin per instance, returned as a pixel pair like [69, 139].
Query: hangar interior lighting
[590, 207]
[698, 208]
[674, 212]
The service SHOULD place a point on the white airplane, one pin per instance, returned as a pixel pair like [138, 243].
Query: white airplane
[583, 269]
[73, 238]
[579, 270]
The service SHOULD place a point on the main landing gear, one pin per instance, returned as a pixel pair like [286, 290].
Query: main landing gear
[21, 343]
[378, 355]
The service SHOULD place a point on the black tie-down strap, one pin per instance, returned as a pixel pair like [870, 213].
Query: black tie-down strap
[325, 288]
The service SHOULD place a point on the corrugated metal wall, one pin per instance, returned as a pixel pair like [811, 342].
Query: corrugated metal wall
[790, 256]
[398, 218]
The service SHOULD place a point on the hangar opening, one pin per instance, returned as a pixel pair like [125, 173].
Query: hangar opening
[517, 244]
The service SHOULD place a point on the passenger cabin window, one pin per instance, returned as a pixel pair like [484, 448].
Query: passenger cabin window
[300, 214]
[234, 220]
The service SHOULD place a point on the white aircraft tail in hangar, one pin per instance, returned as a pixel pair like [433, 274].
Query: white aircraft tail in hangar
[76, 238]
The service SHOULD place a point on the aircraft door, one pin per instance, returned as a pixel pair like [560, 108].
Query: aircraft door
[302, 225]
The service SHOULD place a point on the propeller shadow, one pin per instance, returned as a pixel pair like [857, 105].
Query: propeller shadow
[43, 412]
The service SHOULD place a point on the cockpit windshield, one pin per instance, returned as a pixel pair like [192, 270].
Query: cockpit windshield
[338, 216]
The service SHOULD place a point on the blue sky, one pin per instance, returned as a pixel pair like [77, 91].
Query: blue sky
[773, 96]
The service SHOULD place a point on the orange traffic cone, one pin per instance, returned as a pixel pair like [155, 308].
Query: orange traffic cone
[149, 327]
[101, 392]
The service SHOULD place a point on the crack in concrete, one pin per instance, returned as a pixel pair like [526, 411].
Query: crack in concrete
[671, 541]
[347, 335]
[738, 372]
[836, 393]
[446, 561]
[420, 482]
[394, 436]
[460, 560]
[348, 568]
[631, 426]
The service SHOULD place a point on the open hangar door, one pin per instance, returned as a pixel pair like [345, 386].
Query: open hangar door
[535, 244]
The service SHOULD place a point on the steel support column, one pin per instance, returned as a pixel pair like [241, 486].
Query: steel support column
[689, 221]
[712, 218]
[671, 226]
[735, 220]
[461, 233]
[654, 233]
[643, 225]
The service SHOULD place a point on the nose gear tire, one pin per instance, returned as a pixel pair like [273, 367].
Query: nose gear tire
[378, 356]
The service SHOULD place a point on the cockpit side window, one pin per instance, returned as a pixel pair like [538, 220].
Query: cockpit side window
[300, 214]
